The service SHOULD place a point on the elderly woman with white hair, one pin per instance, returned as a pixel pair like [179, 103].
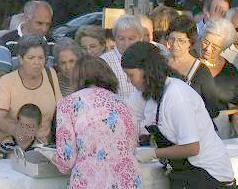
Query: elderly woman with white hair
[219, 35]
[126, 31]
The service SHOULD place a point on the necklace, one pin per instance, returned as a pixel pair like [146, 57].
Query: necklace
[207, 63]
[30, 86]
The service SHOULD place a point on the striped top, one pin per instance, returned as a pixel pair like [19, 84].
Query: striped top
[65, 86]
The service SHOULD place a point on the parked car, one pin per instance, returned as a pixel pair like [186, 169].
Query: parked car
[69, 29]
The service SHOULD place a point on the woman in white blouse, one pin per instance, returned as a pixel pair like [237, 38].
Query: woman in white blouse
[182, 119]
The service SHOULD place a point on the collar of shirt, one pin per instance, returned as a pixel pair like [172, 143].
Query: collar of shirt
[167, 81]
[201, 26]
[233, 48]
[118, 54]
[19, 31]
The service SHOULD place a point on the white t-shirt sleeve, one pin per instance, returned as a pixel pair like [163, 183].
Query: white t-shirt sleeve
[137, 103]
[182, 116]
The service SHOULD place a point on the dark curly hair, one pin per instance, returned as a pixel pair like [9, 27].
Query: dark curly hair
[95, 71]
[150, 59]
[184, 24]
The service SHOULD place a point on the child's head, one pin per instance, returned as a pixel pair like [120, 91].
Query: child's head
[30, 114]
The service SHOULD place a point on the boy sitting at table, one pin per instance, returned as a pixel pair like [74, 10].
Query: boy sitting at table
[28, 121]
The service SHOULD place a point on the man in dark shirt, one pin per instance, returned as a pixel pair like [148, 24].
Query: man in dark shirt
[37, 20]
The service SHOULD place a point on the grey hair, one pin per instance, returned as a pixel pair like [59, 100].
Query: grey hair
[69, 44]
[231, 13]
[128, 21]
[224, 28]
[31, 6]
[32, 41]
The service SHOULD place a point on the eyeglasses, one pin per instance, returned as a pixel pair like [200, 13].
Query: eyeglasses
[179, 41]
[215, 47]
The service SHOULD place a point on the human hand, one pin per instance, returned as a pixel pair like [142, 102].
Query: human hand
[145, 154]
[217, 11]
[144, 140]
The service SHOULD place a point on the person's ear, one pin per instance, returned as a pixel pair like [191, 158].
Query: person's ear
[20, 58]
[27, 18]
[168, 45]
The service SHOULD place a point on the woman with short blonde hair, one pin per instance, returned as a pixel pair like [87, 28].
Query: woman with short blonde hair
[91, 38]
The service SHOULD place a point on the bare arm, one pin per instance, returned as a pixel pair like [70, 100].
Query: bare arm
[6, 125]
[178, 151]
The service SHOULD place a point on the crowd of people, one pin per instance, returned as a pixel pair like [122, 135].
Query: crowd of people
[100, 91]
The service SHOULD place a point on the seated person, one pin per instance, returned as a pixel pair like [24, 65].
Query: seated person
[32, 83]
[28, 122]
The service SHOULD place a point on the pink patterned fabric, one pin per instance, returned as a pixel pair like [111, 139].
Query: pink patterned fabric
[96, 139]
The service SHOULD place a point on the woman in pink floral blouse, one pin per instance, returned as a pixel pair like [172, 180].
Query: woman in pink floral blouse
[96, 133]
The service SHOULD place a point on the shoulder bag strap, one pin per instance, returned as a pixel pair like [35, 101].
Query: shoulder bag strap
[50, 79]
[192, 71]
[157, 115]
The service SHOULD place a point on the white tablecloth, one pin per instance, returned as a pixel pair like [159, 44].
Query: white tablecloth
[153, 178]
[153, 175]
[10, 179]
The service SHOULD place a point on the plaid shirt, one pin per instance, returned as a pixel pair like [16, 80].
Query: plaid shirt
[113, 58]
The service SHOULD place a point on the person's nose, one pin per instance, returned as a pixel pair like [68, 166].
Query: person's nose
[36, 63]
[44, 29]
[68, 67]
[89, 50]
[127, 43]
[208, 47]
